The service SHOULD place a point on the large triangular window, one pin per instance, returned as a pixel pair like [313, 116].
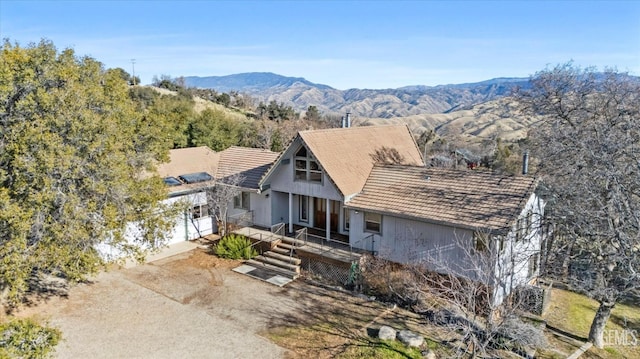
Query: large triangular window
[306, 168]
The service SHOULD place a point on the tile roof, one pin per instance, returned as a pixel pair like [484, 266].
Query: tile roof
[250, 163]
[471, 199]
[347, 154]
[189, 160]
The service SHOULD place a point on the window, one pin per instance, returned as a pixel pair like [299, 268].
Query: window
[346, 219]
[520, 230]
[241, 200]
[306, 168]
[480, 242]
[304, 208]
[372, 222]
[200, 211]
[533, 265]
[529, 222]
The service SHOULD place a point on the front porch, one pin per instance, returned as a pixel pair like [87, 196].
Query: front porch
[288, 255]
[305, 244]
[323, 214]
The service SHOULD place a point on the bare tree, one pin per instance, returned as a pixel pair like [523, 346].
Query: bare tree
[589, 153]
[221, 196]
[471, 296]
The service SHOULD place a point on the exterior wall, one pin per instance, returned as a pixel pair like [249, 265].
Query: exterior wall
[261, 207]
[279, 207]
[517, 257]
[282, 182]
[282, 179]
[409, 241]
[187, 228]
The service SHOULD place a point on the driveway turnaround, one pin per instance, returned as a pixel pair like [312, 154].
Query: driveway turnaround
[191, 305]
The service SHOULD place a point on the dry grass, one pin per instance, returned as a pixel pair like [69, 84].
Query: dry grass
[338, 325]
[573, 313]
[484, 120]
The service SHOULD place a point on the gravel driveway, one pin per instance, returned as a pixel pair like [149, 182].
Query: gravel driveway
[187, 306]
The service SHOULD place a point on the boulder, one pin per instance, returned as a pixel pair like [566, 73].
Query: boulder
[410, 338]
[387, 333]
[429, 354]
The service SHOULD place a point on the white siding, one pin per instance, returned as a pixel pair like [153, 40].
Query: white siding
[261, 207]
[195, 227]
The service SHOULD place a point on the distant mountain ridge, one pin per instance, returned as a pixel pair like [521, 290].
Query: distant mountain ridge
[248, 81]
[382, 103]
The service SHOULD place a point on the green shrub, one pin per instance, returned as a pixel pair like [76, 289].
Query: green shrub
[26, 338]
[234, 246]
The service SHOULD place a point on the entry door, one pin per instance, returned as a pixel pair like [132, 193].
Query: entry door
[320, 205]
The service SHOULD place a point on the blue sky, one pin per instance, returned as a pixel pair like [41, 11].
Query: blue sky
[357, 44]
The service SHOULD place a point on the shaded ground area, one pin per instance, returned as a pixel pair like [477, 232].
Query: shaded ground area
[190, 305]
[332, 324]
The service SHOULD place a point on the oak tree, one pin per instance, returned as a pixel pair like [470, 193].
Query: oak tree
[589, 153]
[74, 162]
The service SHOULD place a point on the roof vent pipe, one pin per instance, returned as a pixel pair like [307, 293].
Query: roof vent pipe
[348, 119]
[525, 163]
[344, 123]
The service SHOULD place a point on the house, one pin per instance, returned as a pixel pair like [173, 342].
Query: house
[321, 170]
[446, 217]
[192, 170]
[370, 185]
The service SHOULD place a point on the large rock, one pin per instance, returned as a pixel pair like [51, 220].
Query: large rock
[429, 354]
[410, 338]
[387, 333]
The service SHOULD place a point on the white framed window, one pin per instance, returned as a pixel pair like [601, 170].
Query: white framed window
[372, 222]
[306, 168]
[241, 200]
[304, 208]
[200, 211]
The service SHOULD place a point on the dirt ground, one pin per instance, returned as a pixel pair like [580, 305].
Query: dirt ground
[187, 306]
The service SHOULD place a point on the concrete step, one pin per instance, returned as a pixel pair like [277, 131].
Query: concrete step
[292, 241]
[286, 246]
[283, 257]
[282, 271]
[284, 251]
[278, 263]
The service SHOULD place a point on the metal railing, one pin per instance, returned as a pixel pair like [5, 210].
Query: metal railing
[365, 239]
[302, 233]
[278, 228]
[244, 219]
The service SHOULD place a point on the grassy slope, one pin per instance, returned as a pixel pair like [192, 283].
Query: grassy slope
[573, 313]
[202, 104]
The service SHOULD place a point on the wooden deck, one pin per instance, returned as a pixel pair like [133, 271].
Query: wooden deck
[332, 250]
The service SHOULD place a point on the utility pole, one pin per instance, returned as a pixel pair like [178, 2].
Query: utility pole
[133, 67]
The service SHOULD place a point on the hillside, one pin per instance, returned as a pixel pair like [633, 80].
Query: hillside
[482, 121]
[382, 103]
[201, 104]
[489, 119]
